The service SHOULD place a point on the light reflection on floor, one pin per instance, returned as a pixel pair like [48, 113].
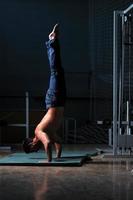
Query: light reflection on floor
[100, 179]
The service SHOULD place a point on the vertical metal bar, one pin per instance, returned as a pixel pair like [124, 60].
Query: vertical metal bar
[130, 58]
[110, 137]
[120, 91]
[27, 114]
[127, 124]
[115, 71]
[123, 58]
[121, 76]
[121, 86]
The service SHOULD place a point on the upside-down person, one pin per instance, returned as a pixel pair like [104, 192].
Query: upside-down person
[46, 130]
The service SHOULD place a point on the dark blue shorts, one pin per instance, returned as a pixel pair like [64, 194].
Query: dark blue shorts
[54, 99]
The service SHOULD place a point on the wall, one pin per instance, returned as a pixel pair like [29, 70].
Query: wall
[86, 44]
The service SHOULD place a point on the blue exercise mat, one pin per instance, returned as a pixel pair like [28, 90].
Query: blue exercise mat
[40, 159]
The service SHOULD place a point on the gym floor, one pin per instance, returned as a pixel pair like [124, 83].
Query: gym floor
[101, 178]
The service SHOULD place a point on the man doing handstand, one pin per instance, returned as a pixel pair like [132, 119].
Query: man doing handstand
[46, 130]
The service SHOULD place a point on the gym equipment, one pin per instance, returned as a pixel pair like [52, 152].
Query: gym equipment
[122, 80]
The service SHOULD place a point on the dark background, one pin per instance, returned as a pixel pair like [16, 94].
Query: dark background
[25, 26]
[86, 30]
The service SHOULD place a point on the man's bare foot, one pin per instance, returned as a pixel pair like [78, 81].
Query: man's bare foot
[55, 32]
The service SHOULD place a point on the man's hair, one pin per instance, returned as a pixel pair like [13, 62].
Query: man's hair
[28, 146]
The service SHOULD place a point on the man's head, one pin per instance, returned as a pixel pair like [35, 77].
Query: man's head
[29, 147]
